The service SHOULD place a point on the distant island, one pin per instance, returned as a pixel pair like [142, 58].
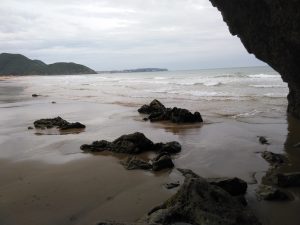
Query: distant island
[17, 64]
[140, 70]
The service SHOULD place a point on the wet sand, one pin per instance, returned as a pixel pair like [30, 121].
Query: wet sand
[47, 179]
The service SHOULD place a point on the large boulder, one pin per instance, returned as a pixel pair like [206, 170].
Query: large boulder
[199, 202]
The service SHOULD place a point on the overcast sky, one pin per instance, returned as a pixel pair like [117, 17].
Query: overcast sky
[121, 34]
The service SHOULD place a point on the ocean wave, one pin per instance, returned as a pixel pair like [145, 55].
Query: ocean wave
[268, 85]
[275, 95]
[264, 76]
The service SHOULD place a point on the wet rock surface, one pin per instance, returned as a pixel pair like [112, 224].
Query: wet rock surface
[57, 122]
[270, 193]
[158, 112]
[162, 161]
[271, 31]
[133, 163]
[233, 186]
[199, 202]
[273, 158]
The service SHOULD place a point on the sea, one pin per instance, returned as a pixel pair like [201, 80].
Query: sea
[237, 93]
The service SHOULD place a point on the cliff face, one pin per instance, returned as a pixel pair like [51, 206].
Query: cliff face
[269, 29]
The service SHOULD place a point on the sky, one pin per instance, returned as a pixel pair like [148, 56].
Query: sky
[121, 34]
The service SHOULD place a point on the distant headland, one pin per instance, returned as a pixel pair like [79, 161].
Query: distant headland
[140, 70]
[17, 64]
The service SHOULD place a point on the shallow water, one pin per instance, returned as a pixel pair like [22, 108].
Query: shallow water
[46, 179]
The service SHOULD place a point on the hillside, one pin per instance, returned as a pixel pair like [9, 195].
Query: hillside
[16, 64]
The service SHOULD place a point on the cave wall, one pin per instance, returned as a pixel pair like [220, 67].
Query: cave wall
[269, 29]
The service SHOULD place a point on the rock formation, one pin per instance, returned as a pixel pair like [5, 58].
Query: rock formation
[57, 122]
[158, 112]
[269, 29]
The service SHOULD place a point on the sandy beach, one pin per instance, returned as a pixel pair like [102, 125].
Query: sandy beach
[46, 179]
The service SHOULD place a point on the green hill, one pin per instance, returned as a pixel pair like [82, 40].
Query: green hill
[16, 64]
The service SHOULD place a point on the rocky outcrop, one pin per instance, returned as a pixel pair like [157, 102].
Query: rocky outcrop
[134, 143]
[57, 122]
[199, 202]
[269, 29]
[158, 112]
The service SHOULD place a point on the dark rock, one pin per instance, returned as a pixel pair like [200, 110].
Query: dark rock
[179, 115]
[145, 119]
[53, 102]
[273, 158]
[97, 146]
[172, 147]
[75, 125]
[198, 202]
[263, 140]
[57, 122]
[154, 106]
[233, 186]
[172, 185]
[270, 193]
[158, 112]
[162, 162]
[133, 163]
[286, 179]
[29, 128]
[35, 95]
[131, 144]
[271, 31]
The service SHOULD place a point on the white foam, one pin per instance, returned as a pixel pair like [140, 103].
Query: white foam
[275, 95]
[264, 76]
[268, 85]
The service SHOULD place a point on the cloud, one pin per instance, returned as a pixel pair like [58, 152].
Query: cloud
[116, 34]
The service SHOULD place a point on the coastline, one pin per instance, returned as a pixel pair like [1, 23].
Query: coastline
[42, 172]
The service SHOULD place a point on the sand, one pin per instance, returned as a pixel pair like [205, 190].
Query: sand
[47, 179]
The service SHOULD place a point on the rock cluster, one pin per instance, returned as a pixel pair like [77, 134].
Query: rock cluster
[158, 112]
[134, 144]
[57, 122]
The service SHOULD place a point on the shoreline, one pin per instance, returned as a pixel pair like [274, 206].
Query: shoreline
[51, 169]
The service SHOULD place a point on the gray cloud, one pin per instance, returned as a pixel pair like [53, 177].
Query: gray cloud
[117, 34]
